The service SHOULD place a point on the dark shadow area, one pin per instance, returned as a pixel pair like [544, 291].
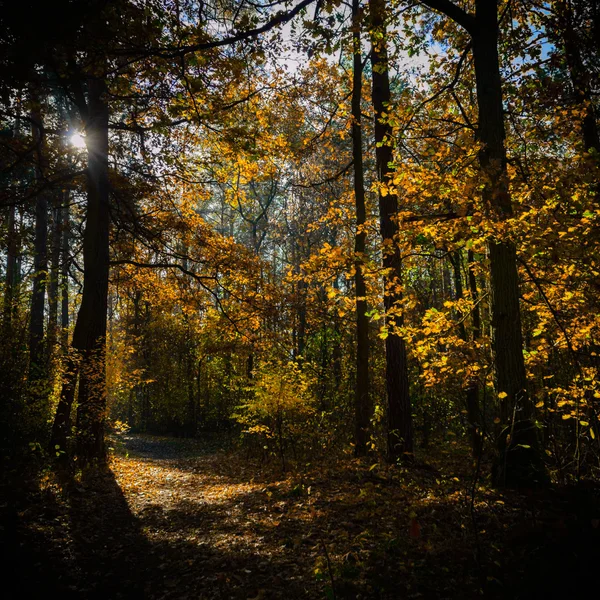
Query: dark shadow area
[204, 538]
[80, 543]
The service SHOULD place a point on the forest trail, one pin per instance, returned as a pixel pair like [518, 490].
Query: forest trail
[209, 521]
[179, 519]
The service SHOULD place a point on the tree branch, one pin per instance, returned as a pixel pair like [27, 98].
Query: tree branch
[454, 12]
[279, 19]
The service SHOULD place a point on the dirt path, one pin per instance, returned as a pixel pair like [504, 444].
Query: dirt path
[210, 525]
[187, 519]
[217, 526]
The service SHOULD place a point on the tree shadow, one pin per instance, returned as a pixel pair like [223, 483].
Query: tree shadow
[111, 553]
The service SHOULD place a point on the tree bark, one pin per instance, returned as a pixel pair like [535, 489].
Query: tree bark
[64, 275]
[89, 336]
[362, 404]
[399, 411]
[40, 260]
[472, 391]
[88, 353]
[53, 279]
[519, 461]
[579, 75]
[11, 269]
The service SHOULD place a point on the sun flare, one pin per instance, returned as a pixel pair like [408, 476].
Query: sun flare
[77, 140]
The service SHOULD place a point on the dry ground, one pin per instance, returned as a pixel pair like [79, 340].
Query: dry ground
[179, 519]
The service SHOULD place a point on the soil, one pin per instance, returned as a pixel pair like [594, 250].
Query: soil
[178, 519]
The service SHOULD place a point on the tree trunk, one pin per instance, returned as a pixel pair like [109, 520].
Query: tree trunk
[362, 404]
[11, 269]
[579, 76]
[64, 275]
[472, 391]
[40, 259]
[399, 412]
[53, 280]
[519, 462]
[89, 336]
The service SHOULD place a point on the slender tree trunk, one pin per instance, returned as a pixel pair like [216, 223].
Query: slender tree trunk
[53, 280]
[519, 458]
[472, 391]
[64, 275]
[362, 404]
[40, 260]
[7, 351]
[11, 259]
[579, 76]
[399, 411]
[11, 270]
[301, 318]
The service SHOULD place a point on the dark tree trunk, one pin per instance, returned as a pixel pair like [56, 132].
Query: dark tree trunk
[399, 412]
[520, 462]
[61, 427]
[579, 75]
[53, 280]
[40, 260]
[89, 336]
[11, 271]
[519, 458]
[362, 404]
[7, 351]
[472, 391]
[64, 275]
[301, 318]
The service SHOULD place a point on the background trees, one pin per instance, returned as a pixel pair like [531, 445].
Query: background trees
[269, 233]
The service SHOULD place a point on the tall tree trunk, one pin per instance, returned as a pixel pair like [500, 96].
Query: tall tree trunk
[7, 351]
[89, 336]
[399, 411]
[519, 454]
[64, 274]
[519, 462]
[11, 269]
[362, 404]
[88, 354]
[11, 259]
[53, 279]
[578, 74]
[472, 391]
[301, 318]
[40, 259]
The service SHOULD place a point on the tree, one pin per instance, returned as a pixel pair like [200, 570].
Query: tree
[520, 458]
[362, 403]
[399, 411]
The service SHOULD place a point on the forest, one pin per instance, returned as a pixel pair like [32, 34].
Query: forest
[300, 298]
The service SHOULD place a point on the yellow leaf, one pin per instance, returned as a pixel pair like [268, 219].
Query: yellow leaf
[502, 395]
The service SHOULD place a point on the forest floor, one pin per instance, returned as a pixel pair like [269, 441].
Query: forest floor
[179, 519]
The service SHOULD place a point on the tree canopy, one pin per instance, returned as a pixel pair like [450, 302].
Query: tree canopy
[321, 227]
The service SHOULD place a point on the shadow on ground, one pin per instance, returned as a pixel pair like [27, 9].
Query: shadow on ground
[186, 520]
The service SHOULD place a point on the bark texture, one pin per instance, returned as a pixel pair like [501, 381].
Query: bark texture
[399, 412]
